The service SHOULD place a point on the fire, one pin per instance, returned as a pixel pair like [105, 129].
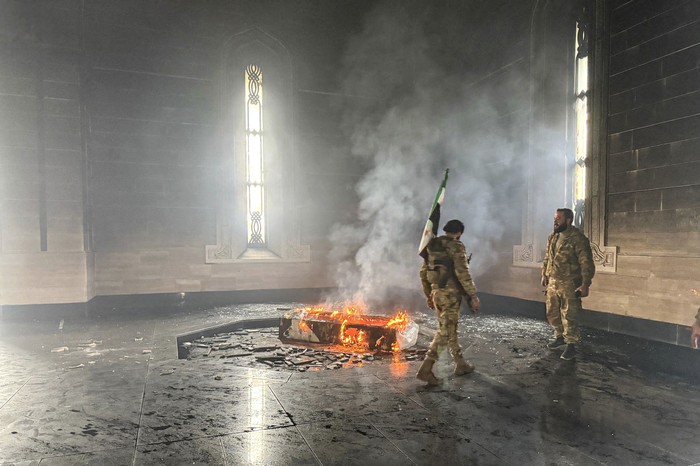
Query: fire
[354, 315]
[694, 292]
[399, 320]
[352, 336]
[304, 326]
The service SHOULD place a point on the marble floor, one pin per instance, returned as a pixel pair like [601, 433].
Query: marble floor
[111, 391]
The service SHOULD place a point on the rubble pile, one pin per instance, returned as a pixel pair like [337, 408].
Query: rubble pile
[262, 347]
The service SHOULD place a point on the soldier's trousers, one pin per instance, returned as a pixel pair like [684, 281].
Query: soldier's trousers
[563, 308]
[447, 304]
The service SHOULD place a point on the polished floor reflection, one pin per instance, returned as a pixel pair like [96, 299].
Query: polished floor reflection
[112, 392]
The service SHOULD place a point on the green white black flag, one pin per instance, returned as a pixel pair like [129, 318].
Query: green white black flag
[431, 226]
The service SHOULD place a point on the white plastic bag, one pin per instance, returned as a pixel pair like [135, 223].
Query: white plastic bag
[408, 336]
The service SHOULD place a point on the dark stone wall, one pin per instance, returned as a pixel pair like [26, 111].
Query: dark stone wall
[109, 146]
[154, 94]
[110, 113]
[654, 126]
[41, 145]
[110, 137]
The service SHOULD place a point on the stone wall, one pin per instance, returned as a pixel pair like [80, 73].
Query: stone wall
[42, 154]
[653, 168]
[111, 149]
[653, 193]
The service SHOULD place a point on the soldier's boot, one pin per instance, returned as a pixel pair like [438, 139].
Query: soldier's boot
[569, 353]
[557, 343]
[425, 373]
[463, 367]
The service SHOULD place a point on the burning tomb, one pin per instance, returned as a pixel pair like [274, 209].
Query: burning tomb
[349, 327]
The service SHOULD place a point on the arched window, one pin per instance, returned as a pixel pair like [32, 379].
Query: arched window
[580, 120]
[568, 79]
[256, 208]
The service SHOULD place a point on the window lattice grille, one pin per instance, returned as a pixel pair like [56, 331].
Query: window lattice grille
[255, 183]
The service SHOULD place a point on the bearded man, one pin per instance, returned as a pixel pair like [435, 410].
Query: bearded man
[567, 273]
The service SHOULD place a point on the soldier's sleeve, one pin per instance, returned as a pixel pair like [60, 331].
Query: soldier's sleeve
[585, 260]
[459, 258]
[697, 318]
[424, 279]
[546, 259]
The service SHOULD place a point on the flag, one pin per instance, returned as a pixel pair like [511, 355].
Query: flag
[431, 226]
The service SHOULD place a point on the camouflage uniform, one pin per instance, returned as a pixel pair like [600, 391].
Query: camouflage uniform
[445, 278]
[568, 264]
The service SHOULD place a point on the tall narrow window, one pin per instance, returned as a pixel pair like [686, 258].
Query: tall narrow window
[255, 181]
[580, 121]
[256, 206]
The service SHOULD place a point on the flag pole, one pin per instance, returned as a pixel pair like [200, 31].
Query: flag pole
[431, 225]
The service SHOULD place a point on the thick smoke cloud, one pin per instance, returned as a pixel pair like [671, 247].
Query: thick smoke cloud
[423, 101]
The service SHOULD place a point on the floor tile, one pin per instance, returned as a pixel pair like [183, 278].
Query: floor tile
[175, 412]
[351, 441]
[32, 434]
[326, 397]
[200, 451]
[270, 447]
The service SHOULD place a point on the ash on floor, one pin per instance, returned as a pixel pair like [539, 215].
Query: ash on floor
[263, 348]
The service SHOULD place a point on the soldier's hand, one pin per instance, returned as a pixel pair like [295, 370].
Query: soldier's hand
[583, 290]
[430, 303]
[474, 303]
[545, 280]
[695, 336]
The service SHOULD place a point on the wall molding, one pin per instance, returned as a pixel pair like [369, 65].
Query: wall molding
[605, 258]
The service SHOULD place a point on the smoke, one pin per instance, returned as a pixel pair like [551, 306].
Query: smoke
[423, 101]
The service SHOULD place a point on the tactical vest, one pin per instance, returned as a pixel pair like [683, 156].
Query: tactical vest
[440, 265]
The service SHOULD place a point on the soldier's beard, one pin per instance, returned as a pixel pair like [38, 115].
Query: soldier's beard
[559, 228]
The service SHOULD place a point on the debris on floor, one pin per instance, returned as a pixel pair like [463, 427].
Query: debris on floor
[262, 347]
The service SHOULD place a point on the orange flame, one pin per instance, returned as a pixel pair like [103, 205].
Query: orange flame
[694, 292]
[354, 314]
[399, 320]
[352, 336]
[304, 326]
